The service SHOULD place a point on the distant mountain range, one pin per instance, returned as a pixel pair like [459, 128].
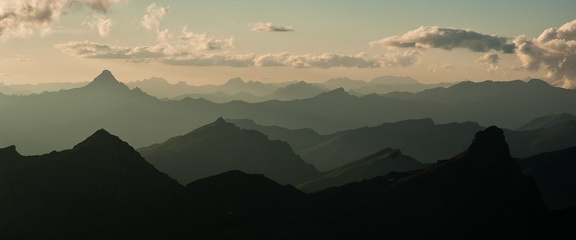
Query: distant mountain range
[28, 89]
[56, 120]
[254, 91]
[102, 188]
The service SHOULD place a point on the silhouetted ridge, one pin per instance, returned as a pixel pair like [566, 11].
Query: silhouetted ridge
[9, 152]
[103, 141]
[538, 83]
[336, 94]
[219, 121]
[221, 146]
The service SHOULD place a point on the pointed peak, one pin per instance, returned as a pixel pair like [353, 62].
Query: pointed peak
[101, 138]
[106, 79]
[220, 120]
[107, 76]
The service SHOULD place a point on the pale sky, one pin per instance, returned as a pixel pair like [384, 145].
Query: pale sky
[211, 41]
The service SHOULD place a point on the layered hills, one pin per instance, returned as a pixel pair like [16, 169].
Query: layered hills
[56, 120]
[222, 146]
[102, 188]
[422, 139]
[377, 164]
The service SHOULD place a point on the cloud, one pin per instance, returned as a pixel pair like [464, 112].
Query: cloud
[269, 27]
[97, 5]
[20, 58]
[203, 41]
[326, 60]
[171, 54]
[447, 39]
[554, 51]
[491, 60]
[153, 16]
[444, 67]
[101, 23]
[25, 18]
[404, 59]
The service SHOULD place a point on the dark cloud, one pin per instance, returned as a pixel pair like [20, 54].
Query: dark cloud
[447, 39]
[269, 27]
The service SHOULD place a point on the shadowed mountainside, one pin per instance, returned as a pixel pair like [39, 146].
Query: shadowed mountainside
[479, 194]
[422, 139]
[222, 146]
[553, 172]
[548, 121]
[102, 188]
[102, 183]
[377, 164]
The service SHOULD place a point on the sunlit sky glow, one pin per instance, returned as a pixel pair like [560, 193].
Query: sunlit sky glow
[210, 41]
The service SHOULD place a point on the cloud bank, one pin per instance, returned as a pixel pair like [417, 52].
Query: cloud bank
[269, 27]
[200, 55]
[447, 39]
[24, 18]
[554, 51]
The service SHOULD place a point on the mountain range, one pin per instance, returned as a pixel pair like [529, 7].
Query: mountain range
[56, 120]
[221, 146]
[422, 139]
[102, 188]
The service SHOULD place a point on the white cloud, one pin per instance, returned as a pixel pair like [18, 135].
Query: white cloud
[25, 18]
[491, 60]
[153, 16]
[447, 39]
[101, 23]
[554, 51]
[203, 41]
[435, 68]
[269, 27]
[404, 59]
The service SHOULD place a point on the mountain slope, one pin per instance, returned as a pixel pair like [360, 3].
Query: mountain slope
[222, 146]
[548, 121]
[509, 102]
[553, 172]
[299, 90]
[102, 188]
[421, 139]
[479, 194]
[377, 164]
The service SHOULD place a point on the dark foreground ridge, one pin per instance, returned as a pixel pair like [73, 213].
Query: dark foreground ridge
[103, 189]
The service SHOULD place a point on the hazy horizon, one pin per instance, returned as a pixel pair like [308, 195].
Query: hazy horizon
[210, 42]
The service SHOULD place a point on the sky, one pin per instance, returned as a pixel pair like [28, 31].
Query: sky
[210, 41]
